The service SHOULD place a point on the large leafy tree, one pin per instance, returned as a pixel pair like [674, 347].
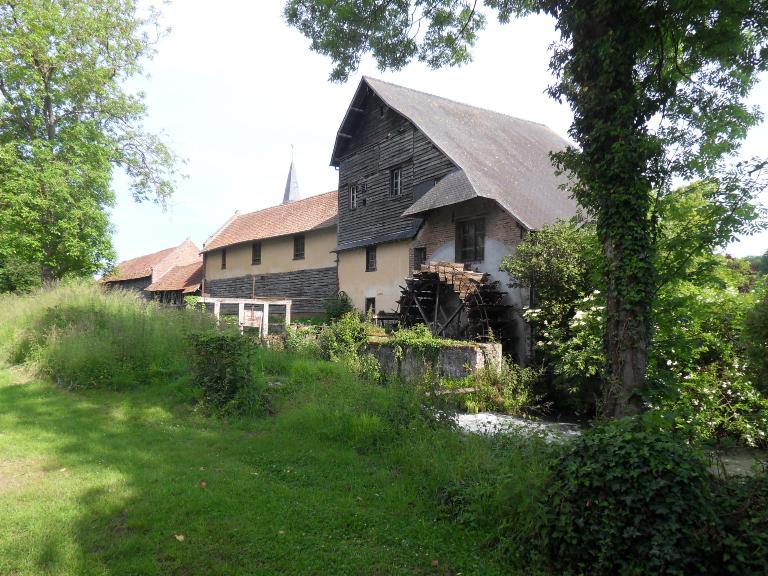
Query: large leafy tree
[66, 122]
[657, 88]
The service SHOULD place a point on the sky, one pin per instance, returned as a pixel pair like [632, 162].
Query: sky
[235, 92]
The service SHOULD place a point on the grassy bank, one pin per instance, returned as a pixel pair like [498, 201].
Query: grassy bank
[129, 446]
[127, 475]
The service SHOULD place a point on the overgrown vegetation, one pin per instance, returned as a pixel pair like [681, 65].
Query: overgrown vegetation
[83, 337]
[315, 469]
[707, 351]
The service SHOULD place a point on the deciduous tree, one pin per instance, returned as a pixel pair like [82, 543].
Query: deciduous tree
[66, 121]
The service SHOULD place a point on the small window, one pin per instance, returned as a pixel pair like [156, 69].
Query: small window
[396, 182]
[256, 253]
[370, 305]
[223, 258]
[470, 241]
[298, 247]
[354, 190]
[370, 259]
[419, 257]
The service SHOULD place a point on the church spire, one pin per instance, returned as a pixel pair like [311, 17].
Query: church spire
[292, 184]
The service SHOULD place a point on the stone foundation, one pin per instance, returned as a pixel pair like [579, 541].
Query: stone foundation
[453, 362]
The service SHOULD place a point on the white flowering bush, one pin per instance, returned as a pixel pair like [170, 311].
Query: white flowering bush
[573, 351]
[698, 377]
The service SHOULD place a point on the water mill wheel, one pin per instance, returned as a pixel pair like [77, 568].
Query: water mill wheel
[456, 303]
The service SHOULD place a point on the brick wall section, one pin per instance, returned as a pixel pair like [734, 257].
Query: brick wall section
[440, 225]
[309, 289]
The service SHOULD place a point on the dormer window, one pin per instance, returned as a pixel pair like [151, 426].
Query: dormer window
[396, 182]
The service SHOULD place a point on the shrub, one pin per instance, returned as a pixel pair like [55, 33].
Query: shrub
[713, 406]
[302, 339]
[742, 545]
[506, 388]
[625, 500]
[338, 306]
[221, 370]
[345, 341]
[755, 339]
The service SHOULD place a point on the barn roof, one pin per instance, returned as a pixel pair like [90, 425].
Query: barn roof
[502, 158]
[138, 267]
[185, 278]
[155, 264]
[305, 215]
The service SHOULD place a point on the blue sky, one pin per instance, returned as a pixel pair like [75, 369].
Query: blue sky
[232, 88]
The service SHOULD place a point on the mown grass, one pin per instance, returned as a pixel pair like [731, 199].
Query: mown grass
[128, 476]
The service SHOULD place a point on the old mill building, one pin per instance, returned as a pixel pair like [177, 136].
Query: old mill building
[421, 178]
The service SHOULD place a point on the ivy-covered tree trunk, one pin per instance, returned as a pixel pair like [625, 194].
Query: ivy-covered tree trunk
[616, 150]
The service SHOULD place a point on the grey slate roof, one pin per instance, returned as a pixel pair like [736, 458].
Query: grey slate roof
[502, 158]
[450, 189]
[407, 234]
[291, 186]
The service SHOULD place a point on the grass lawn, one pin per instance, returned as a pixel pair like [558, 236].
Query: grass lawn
[136, 482]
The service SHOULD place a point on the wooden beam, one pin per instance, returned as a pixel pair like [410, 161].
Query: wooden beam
[444, 326]
[342, 135]
[418, 305]
[356, 109]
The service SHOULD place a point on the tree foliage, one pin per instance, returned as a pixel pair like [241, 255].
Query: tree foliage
[65, 122]
[657, 90]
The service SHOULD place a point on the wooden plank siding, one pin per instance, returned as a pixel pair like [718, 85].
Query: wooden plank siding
[379, 144]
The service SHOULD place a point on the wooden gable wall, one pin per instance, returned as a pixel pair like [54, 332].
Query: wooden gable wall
[379, 144]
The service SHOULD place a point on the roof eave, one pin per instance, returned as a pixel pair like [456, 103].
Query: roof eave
[315, 229]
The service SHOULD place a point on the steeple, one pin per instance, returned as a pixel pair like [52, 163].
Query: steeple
[292, 184]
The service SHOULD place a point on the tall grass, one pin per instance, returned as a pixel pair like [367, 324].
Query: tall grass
[82, 336]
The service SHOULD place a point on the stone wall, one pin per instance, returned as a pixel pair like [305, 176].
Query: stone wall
[453, 362]
[309, 289]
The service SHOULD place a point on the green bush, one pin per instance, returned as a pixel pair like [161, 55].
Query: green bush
[506, 388]
[715, 405]
[345, 341]
[338, 306]
[302, 339]
[742, 543]
[221, 371]
[755, 339]
[628, 501]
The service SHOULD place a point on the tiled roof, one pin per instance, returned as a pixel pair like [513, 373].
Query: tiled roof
[185, 278]
[138, 267]
[503, 158]
[311, 213]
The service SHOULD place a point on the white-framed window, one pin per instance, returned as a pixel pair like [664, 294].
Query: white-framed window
[370, 259]
[396, 182]
[354, 192]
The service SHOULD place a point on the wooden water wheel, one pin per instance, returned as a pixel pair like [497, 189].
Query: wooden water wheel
[455, 303]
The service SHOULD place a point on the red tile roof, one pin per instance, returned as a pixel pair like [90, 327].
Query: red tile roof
[137, 267]
[313, 213]
[184, 278]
